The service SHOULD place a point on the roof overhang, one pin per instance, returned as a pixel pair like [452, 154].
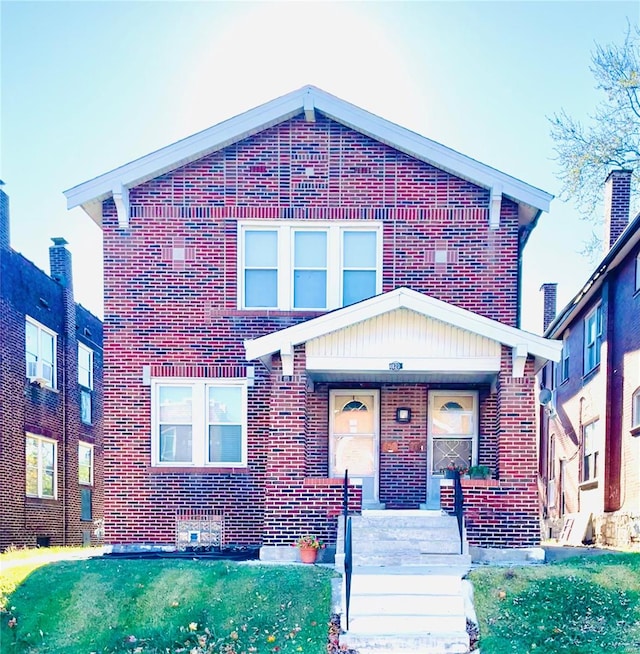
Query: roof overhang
[483, 367]
[307, 100]
[621, 249]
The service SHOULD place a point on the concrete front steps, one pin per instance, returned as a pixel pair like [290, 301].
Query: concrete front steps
[406, 588]
[392, 538]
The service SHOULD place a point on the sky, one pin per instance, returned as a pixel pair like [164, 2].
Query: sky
[87, 86]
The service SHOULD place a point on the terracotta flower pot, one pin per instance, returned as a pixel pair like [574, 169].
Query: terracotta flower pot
[308, 554]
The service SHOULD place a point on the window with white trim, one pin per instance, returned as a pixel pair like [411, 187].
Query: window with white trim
[85, 366]
[563, 368]
[592, 339]
[41, 466]
[638, 272]
[635, 410]
[591, 440]
[308, 265]
[199, 422]
[85, 464]
[40, 353]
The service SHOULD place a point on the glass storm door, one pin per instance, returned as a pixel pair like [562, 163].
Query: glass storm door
[452, 436]
[354, 439]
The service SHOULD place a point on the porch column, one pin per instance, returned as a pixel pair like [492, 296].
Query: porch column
[517, 439]
[285, 460]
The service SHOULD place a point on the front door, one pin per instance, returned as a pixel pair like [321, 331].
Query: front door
[452, 436]
[354, 440]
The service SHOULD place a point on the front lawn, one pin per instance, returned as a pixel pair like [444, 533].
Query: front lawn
[579, 606]
[110, 606]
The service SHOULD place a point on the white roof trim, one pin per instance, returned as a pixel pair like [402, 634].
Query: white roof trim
[523, 343]
[308, 99]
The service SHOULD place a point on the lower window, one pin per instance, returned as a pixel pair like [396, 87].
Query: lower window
[41, 465]
[199, 422]
[590, 450]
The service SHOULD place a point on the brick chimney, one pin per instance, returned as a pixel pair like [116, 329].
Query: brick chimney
[60, 263]
[550, 296]
[4, 220]
[617, 194]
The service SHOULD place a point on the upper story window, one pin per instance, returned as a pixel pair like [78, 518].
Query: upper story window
[85, 366]
[40, 353]
[41, 467]
[590, 451]
[592, 339]
[199, 422]
[635, 411]
[563, 368]
[85, 464]
[308, 265]
[638, 272]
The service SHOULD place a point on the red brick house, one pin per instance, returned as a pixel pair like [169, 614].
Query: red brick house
[303, 289]
[50, 403]
[590, 452]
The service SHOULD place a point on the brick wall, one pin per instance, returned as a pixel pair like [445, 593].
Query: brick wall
[25, 290]
[164, 312]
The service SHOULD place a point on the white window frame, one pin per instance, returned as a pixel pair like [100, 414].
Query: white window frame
[592, 346]
[38, 369]
[200, 423]
[285, 264]
[86, 446]
[563, 368]
[637, 287]
[88, 372]
[41, 440]
[635, 411]
[592, 429]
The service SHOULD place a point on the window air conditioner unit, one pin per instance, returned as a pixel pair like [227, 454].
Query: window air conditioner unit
[39, 372]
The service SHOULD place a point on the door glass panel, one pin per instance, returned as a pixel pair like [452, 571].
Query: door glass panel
[354, 454]
[450, 451]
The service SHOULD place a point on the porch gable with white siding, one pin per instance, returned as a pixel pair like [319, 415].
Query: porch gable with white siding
[402, 335]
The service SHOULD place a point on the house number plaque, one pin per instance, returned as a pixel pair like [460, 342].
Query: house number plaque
[395, 365]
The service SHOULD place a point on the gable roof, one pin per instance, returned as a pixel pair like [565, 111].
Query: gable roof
[523, 343]
[90, 194]
[626, 244]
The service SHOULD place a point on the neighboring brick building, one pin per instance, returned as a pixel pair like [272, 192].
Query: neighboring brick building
[590, 450]
[303, 289]
[50, 403]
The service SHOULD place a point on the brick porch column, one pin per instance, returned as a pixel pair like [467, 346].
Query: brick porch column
[285, 466]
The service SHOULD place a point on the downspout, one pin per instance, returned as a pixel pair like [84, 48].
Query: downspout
[613, 420]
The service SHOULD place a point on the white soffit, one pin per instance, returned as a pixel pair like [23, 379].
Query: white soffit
[307, 100]
[522, 343]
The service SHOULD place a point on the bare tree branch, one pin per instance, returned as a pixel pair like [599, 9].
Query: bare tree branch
[585, 154]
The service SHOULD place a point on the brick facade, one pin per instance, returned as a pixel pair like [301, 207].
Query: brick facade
[172, 310]
[603, 394]
[26, 291]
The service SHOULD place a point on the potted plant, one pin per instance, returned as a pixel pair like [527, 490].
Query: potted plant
[479, 472]
[309, 546]
[454, 470]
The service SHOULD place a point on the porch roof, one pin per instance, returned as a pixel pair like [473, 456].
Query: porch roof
[467, 347]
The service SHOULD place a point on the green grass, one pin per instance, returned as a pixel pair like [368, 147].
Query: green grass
[579, 606]
[113, 606]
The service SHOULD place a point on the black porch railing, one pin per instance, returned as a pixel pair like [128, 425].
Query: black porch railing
[458, 508]
[348, 547]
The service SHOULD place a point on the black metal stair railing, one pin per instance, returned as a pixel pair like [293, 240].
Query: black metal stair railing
[348, 547]
[458, 508]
